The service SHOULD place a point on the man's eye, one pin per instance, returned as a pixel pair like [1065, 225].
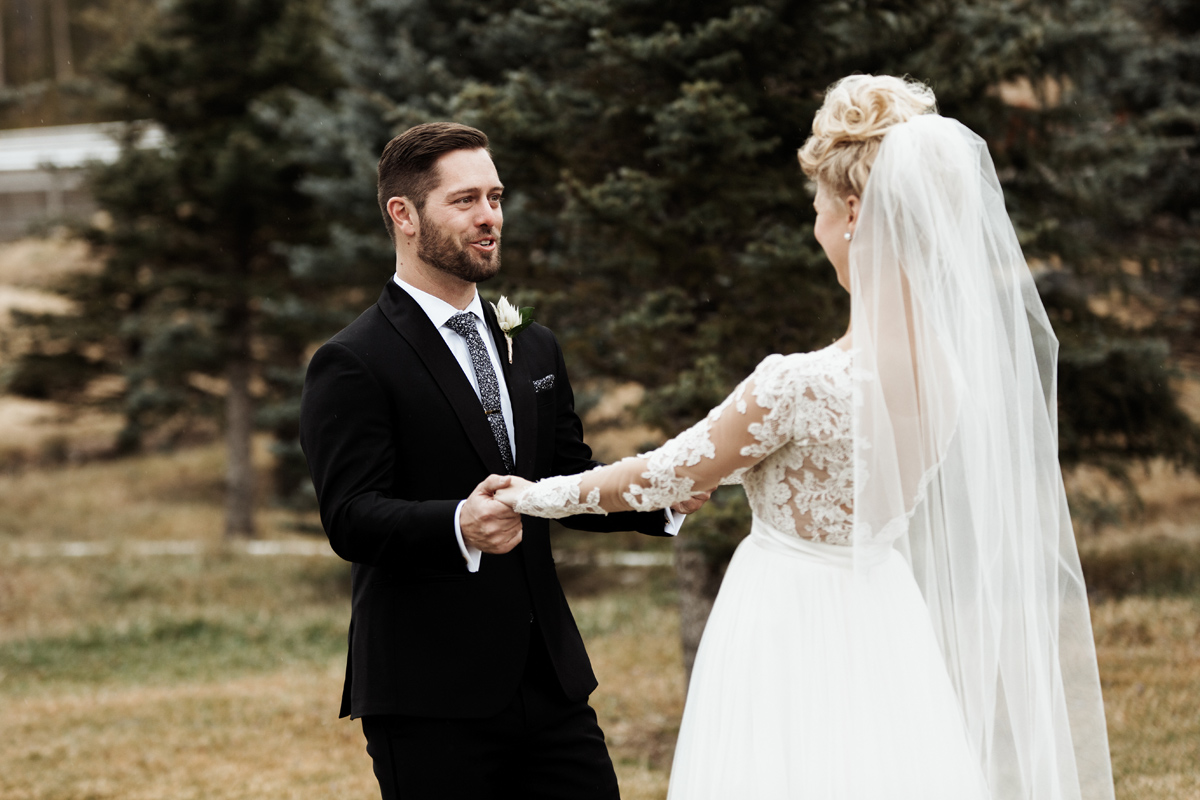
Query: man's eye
[497, 198]
[465, 201]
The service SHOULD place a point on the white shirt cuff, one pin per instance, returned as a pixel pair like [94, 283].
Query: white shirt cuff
[472, 554]
[674, 521]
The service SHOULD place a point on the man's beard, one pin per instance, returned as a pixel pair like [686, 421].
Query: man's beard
[442, 251]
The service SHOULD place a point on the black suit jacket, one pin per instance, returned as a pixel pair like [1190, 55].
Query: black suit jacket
[395, 437]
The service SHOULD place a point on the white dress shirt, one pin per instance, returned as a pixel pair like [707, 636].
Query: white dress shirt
[439, 312]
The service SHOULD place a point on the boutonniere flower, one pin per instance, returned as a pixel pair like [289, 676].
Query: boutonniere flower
[512, 320]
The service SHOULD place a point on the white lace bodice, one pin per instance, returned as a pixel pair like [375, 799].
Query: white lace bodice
[784, 433]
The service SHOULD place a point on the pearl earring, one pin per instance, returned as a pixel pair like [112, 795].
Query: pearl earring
[847, 236]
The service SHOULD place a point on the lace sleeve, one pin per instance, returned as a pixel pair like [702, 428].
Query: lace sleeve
[753, 422]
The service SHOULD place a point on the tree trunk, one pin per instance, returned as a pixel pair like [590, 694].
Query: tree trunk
[37, 41]
[698, 585]
[239, 474]
[3, 77]
[60, 32]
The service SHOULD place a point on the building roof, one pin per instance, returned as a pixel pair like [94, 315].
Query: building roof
[66, 146]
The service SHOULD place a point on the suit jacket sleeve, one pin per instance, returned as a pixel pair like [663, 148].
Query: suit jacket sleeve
[347, 435]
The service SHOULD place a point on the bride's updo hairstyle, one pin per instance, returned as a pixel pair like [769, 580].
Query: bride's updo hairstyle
[848, 129]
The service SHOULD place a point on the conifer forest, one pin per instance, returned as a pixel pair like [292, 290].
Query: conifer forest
[152, 351]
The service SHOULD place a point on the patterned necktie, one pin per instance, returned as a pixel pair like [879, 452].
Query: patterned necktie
[489, 390]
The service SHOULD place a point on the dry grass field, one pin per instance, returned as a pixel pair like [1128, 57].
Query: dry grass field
[216, 674]
[1149, 651]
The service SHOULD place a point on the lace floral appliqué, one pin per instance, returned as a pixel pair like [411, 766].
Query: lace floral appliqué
[784, 434]
[558, 497]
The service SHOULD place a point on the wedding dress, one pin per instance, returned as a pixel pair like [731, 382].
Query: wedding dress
[906, 619]
[811, 681]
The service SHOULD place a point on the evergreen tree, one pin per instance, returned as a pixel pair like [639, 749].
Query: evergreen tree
[196, 295]
[656, 215]
[1110, 210]
[1150, 206]
[398, 64]
[670, 131]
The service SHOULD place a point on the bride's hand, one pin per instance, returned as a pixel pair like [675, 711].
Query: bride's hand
[512, 493]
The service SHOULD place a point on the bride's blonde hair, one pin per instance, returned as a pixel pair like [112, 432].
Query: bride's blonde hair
[848, 129]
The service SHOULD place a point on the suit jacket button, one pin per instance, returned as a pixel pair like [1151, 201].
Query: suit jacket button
[530, 617]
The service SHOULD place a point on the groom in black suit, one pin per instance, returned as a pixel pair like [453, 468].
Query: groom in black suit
[465, 663]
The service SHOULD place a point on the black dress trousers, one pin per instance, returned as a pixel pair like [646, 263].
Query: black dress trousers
[540, 746]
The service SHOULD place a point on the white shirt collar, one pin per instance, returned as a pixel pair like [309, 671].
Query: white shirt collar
[437, 309]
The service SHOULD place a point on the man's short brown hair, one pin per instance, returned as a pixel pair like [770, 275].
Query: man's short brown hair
[408, 166]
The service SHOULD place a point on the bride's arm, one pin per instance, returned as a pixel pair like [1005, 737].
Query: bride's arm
[753, 422]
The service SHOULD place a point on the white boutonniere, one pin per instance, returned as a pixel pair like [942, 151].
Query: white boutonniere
[512, 320]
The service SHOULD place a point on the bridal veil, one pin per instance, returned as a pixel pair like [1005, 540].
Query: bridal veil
[956, 458]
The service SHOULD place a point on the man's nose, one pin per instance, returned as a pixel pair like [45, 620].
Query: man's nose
[489, 216]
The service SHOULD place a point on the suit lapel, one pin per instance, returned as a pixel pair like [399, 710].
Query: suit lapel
[414, 326]
[520, 396]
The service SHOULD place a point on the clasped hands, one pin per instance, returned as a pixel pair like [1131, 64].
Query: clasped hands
[490, 525]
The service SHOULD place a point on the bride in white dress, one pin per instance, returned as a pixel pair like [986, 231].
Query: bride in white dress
[907, 619]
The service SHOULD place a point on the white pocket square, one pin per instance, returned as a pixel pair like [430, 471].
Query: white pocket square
[544, 384]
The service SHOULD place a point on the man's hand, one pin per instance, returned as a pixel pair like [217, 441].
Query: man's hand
[487, 524]
[692, 504]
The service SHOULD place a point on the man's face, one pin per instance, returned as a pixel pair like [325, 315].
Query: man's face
[460, 225]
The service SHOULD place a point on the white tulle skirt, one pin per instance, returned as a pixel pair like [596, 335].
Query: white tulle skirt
[818, 683]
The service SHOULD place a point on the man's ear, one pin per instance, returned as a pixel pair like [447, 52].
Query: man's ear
[404, 217]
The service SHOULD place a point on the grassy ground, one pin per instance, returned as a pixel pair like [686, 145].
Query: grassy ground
[217, 675]
[1149, 650]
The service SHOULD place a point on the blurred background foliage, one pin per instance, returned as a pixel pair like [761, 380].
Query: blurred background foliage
[656, 217]
[657, 220]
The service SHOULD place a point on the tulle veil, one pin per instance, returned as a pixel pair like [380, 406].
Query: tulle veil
[956, 458]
